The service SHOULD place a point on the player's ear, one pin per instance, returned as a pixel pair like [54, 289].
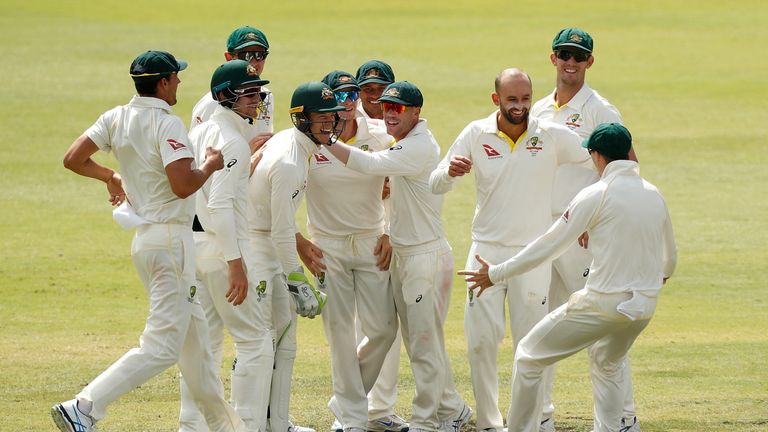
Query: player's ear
[495, 98]
[590, 60]
[553, 59]
[229, 56]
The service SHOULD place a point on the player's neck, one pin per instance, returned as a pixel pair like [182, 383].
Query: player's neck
[350, 130]
[565, 92]
[513, 131]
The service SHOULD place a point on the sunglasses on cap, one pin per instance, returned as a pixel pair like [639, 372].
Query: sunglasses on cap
[252, 55]
[391, 106]
[342, 96]
[251, 92]
[566, 55]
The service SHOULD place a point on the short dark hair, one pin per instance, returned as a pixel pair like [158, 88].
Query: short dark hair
[148, 87]
[610, 159]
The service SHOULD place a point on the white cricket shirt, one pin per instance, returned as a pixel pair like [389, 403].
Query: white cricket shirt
[275, 191]
[630, 235]
[582, 114]
[222, 203]
[145, 137]
[415, 210]
[341, 201]
[513, 180]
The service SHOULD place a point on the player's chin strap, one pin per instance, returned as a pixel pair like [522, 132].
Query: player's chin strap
[303, 124]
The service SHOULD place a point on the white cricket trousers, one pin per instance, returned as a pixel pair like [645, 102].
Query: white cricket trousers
[417, 273]
[569, 274]
[356, 288]
[249, 324]
[175, 331]
[383, 395]
[484, 325]
[589, 320]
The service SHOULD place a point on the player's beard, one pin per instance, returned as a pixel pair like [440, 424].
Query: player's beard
[522, 118]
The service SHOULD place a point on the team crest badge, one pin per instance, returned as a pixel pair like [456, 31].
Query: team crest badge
[251, 71]
[192, 292]
[575, 38]
[364, 147]
[573, 121]
[373, 73]
[345, 79]
[261, 290]
[534, 145]
[251, 36]
[394, 92]
[326, 93]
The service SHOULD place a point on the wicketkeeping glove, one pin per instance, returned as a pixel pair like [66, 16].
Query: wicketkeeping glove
[309, 301]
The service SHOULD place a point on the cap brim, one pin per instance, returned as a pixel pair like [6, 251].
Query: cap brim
[182, 64]
[249, 43]
[395, 100]
[373, 81]
[334, 109]
[259, 82]
[573, 45]
[347, 86]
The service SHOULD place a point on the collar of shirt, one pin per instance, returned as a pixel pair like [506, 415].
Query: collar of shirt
[420, 128]
[620, 167]
[305, 145]
[149, 102]
[490, 125]
[227, 116]
[577, 101]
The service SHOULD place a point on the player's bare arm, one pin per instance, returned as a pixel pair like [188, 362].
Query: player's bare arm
[459, 166]
[258, 144]
[78, 159]
[186, 180]
[383, 252]
[310, 254]
[340, 150]
[478, 278]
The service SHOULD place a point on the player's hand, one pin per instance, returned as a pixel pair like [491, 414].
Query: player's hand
[459, 166]
[584, 240]
[238, 282]
[309, 301]
[385, 189]
[257, 143]
[115, 189]
[383, 252]
[310, 254]
[214, 158]
[478, 278]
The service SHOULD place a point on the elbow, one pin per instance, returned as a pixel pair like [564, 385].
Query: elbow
[182, 191]
[69, 162]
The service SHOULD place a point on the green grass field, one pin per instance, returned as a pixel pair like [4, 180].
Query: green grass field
[685, 74]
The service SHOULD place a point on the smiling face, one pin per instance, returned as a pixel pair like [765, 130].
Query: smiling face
[322, 126]
[570, 72]
[247, 104]
[400, 119]
[350, 105]
[370, 94]
[513, 96]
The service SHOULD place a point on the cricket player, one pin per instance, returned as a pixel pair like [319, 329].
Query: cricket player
[347, 224]
[421, 255]
[225, 256]
[634, 253]
[159, 173]
[514, 158]
[275, 191]
[575, 105]
[373, 77]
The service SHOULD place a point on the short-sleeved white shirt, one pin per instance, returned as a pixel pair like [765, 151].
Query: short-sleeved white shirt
[582, 114]
[513, 183]
[206, 105]
[145, 137]
[341, 201]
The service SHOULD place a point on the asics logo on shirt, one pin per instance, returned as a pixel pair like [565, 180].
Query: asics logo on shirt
[397, 147]
[231, 163]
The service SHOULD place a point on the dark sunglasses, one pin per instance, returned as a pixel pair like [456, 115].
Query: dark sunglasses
[396, 107]
[566, 55]
[252, 55]
[342, 96]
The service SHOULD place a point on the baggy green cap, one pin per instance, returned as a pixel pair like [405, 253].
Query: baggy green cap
[337, 80]
[314, 96]
[403, 93]
[610, 139]
[573, 37]
[375, 71]
[233, 75]
[244, 37]
[155, 64]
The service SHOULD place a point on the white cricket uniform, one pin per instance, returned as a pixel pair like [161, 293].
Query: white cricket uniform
[222, 211]
[421, 262]
[275, 192]
[207, 105]
[345, 219]
[582, 114]
[631, 237]
[146, 137]
[513, 183]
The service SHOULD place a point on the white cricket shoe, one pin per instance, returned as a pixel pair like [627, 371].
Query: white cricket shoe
[337, 426]
[69, 418]
[294, 428]
[455, 424]
[390, 423]
[630, 425]
[547, 425]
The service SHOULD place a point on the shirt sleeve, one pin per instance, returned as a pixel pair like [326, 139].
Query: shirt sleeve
[405, 158]
[669, 254]
[608, 114]
[222, 195]
[100, 131]
[173, 140]
[552, 243]
[284, 201]
[439, 181]
[569, 149]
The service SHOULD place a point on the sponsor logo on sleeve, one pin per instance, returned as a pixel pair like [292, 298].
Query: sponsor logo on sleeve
[396, 147]
[566, 215]
[175, 145]
[231, 163]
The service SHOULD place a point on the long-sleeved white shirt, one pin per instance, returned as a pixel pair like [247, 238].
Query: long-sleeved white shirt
[222, 203]
[341, 201]
[276, 189]
[145, 137]
[582, 114]
[630, 235]
[204, 108]
[415, 210]
[513, 181]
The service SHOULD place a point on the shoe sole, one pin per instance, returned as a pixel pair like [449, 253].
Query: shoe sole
[61, 419]
[403, 429]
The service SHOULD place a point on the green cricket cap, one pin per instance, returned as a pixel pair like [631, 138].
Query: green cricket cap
[403, 93]
[610, 139]
[338, 80]
[574, 38]
[233, 75]
[375, 71]
[314, 96]
[155, 64]
[244, 37]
